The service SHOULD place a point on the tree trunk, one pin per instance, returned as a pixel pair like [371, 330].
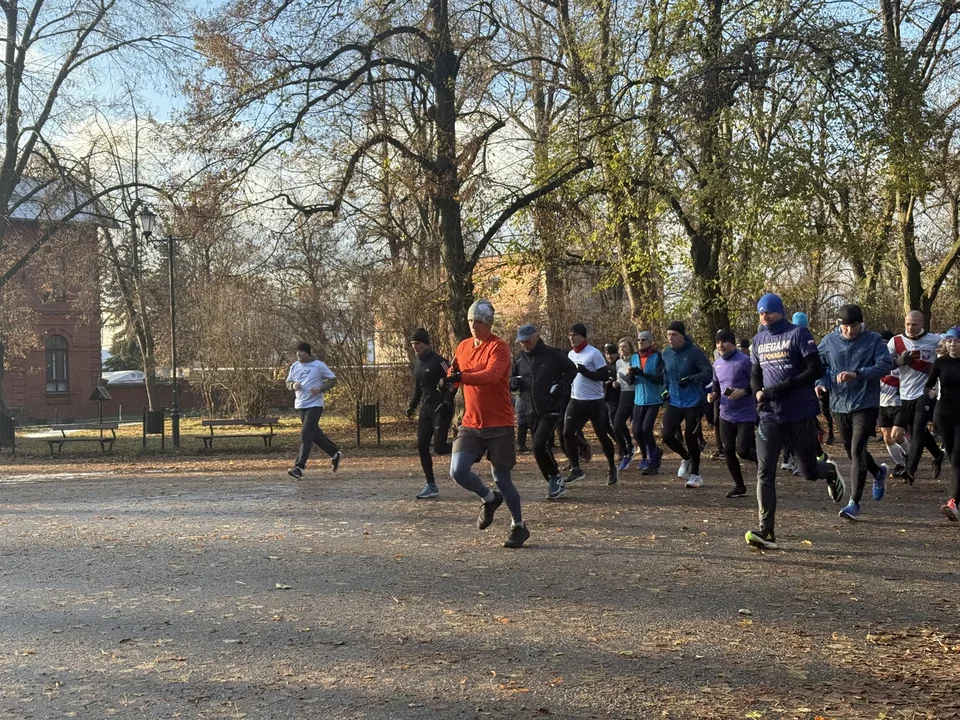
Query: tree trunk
[446, 66]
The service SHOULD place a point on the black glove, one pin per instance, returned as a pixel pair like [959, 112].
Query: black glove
[410, 411]
[450, 380]
[516, 383]
[907, 359]
[582, 370]
[685, 382]
[633, 372]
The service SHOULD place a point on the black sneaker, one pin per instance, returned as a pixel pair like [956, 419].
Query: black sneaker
[612, 476]
[523, 450]
[717, 455]
[295, 472]
[650, 470]
[737, 492]
[517, 537]
[764, 539]
[835, 486]
[489, 508]
[572, 476]
[907, 477]
[938, 465]
[335, 460]
[898, 471]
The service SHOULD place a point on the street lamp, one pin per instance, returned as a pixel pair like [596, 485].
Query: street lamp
[147, 222]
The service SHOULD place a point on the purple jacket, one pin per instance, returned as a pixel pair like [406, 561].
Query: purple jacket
[734, 372]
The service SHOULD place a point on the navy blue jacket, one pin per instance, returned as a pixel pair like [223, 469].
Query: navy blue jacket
[867, 356]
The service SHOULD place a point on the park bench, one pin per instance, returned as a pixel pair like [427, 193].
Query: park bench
[254, 423]
[106, 443]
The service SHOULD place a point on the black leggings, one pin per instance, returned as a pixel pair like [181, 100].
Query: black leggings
[577, 415]
[621, 433]
[856, 429]
[644, 419]
[740, 443]
[433, 425]
[543, 429]
[690, 417]
[948, 426]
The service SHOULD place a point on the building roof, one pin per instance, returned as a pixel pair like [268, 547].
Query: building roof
[53, 201]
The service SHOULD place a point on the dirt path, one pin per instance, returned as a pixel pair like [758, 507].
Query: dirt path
[200, 589]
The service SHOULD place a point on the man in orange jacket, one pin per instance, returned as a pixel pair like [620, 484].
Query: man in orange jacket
[482, 367]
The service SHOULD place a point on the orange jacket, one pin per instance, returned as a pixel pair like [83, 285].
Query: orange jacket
[486, 382]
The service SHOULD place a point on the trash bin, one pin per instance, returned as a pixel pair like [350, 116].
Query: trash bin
[154, 424]
[7, 432]
[368, 417]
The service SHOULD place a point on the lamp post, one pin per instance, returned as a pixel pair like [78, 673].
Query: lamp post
[147, 222]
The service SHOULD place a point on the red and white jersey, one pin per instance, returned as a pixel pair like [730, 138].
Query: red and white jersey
[890, 389]
[913, 378]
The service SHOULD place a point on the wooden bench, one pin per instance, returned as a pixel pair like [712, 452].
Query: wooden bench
[106, 443]
[244, 422]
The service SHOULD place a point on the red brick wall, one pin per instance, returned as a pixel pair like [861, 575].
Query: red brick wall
[24, 382]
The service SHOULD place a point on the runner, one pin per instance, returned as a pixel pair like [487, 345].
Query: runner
[914, 352]
[946, 417]
[738, 408]
[546, 373]
[481, 365]
[436, 412]
[309, 379]
[686, 372]
[621, 432]
[893, 437]
[611, 398]
[854, 360]
[786, 365]
[586, 403]
[646, 367]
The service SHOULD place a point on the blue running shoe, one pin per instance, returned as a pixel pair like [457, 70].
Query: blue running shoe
[624, 462]
[643, 464]
[880, 482]
[851, 511]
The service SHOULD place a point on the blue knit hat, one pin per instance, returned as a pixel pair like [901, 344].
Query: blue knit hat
[800, 319]
[770, 302]
[953, 333]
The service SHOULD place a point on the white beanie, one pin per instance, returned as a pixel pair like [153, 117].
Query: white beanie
[481, 311]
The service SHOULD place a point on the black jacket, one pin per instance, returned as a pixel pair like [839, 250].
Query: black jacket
[427, 371]
[540, 370]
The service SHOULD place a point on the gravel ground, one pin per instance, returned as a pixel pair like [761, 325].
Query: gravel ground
[220, 588]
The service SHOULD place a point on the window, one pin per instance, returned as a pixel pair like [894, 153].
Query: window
[57, 364]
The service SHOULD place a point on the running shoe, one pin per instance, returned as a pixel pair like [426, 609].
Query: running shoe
[851, 511]
[764, 539]
[624, 462]
[694, 481]
[880, 482]
[335, 460]
[643, 464]
[650, 470]
[489, 508]
[718, 455]
[938, 464]
[555, 487]
[898, 471]
[684, 470]
[907, 477]
[295, 472]
[572, 476]
[738, 492]
[950, 510]
[517, 537]
[835, 485]
[612, 476]
[824, 456]
[523, 449]
[430, 490]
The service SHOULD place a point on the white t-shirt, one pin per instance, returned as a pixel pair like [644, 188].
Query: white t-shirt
[913, 378]
[310, 375]
[584, 388]
[890, 389]
[626, 382]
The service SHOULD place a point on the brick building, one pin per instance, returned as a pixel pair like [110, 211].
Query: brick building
[58, 293]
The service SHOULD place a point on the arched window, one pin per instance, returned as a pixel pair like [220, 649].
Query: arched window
[57, 364]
